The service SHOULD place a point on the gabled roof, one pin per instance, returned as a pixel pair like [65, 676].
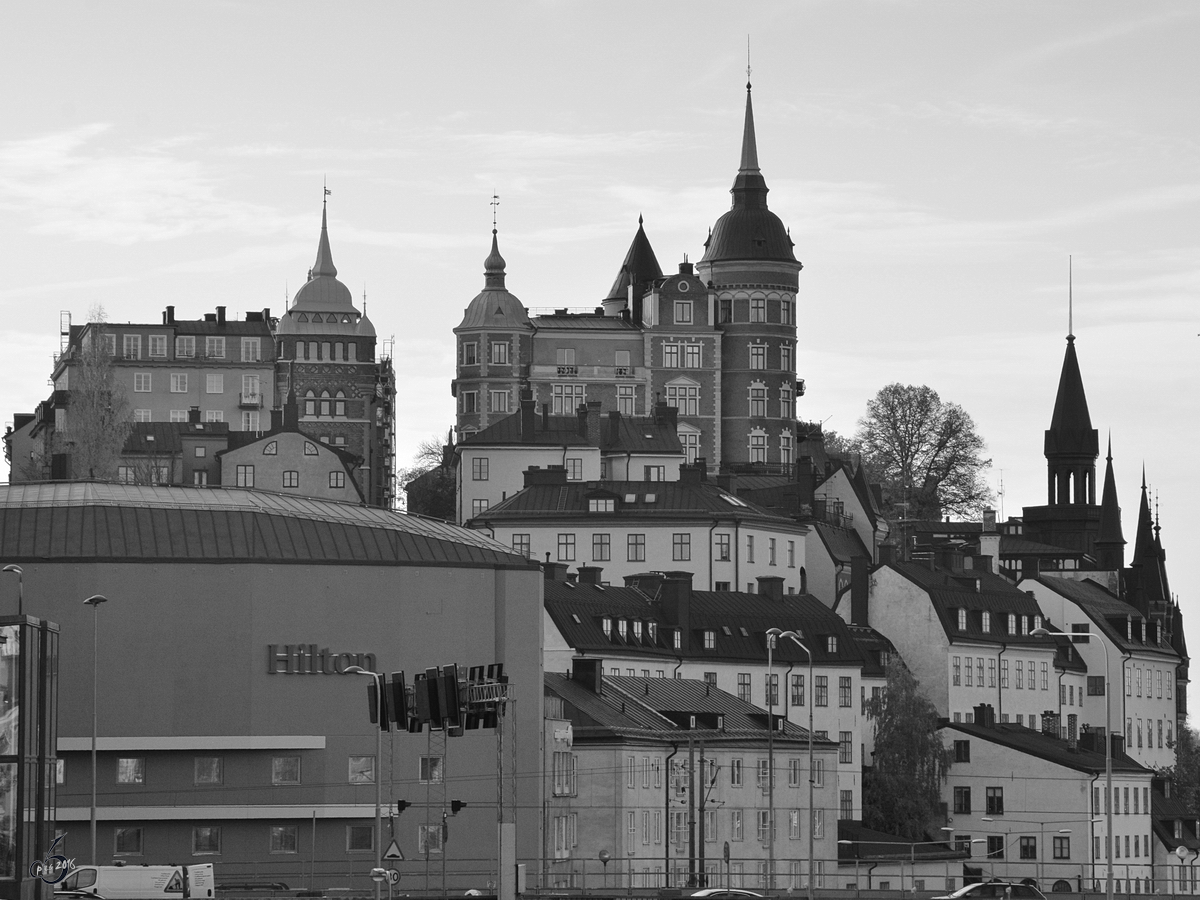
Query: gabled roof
[976, 591]
[650, 500]
[1051, 749]
[738, 621]
[1165, 812]
[1108, 612]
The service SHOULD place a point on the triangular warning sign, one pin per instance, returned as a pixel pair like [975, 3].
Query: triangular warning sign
[393, 851]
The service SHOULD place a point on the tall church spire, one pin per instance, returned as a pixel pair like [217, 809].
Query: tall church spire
[324, 264]
[749, 188]
[1071, 443]
[1110, 540]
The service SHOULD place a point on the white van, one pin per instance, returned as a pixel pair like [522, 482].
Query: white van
[138, 883]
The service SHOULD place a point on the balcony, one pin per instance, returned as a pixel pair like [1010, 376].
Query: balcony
[589, 373]
[568, 370]
[250, 401]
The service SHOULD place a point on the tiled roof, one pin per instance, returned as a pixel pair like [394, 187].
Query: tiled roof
[1165, 812]
[583, 321]
[670, 498]
[725, 613]
[1012, 546]
[1108, 612]
[98, 521]
[631, 708]
[873, 646]
[867, 843]
[952, 590]
[843, 544]
[1052, 749]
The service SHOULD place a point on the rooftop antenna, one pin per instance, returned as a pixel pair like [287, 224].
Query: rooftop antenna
[1070, 299]
[325, 188]
[286, 295]
[1001, 492]
[495, 203]
[364, 298]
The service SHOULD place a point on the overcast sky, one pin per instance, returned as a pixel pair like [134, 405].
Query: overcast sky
[937, 163]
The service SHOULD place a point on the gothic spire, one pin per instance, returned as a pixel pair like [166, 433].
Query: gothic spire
[324, 264]
[749, 188]
[1110, 540]
[640, 266]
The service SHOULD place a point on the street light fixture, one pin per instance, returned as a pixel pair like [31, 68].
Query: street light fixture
[13, 567]
[1108, 794]
[94, 602]
[359, 670]
[797, 638]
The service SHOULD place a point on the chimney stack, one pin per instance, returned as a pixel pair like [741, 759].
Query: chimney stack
[554, 571]
[589, 574]
[528, 416]
[771, 587]
[675, 595]
[589, 672]
[220, 315]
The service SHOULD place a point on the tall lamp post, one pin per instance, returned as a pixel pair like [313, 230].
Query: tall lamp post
[1108, 789]
[797, 638]
[94, 602]
[378, 841]
[13, 567]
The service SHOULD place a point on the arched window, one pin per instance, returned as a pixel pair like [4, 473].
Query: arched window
[310, 404]
[312, 350]
[272, 449]
[337, 350]
[352, 352]
[325, 403]
[339, 404]
[325, 350]
[804, 581]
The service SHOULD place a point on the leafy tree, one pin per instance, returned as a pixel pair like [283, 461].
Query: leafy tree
[429, 482]
[1185, 776]
[924, 451]
[902, 789]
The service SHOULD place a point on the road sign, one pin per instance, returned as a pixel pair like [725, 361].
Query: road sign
[393, 851]
[393, 876]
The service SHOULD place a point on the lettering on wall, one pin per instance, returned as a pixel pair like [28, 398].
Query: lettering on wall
[308, 659]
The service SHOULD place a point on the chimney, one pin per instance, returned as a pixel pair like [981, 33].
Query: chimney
[614, 427]
[664, 414]
[771, 587]
[727, 481]
[1050, 723]
[675, 595]
[1029, 567]
[592, 423]
[549, 475]
[887, 553]
[589, 672]
[220, 315]
[528, 416]
[590, 574]
[691, 474]
[170, 316]
[291, 412]
[1118, 744]
[194, 415]
[554, 571]
[859, 590]
[581, 418]
[646, 582]
[545, 417]
[1073, 729]
[702, 467]
[686, 268]
[989, 521]
[985, 715]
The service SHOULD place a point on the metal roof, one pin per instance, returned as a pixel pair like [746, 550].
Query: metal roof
[96, 520]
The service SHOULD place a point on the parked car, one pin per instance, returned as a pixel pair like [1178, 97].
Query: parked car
[1003, 890]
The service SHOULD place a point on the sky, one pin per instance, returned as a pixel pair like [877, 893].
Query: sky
[938, 164]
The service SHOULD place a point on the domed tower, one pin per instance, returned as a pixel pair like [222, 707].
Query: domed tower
[327, 359]
[748, 261]
[494, 344]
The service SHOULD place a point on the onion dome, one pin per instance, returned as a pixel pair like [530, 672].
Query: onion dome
[494, 306]
[749, 230]
[639, 267]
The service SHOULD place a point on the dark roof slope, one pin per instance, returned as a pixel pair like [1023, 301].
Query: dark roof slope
[93, 521]
[639, 434]
[1051, 749]
[1071, 429]
[1108, 612]
[640, 266]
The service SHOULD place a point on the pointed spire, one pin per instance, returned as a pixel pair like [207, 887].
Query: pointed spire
[324, 264]
[1144, 542]
[749, 188]
[1071, 429]
[1110, 540]
[493, 267]
[640, 266]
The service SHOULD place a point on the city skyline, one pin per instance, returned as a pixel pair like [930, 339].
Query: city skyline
[937, 166]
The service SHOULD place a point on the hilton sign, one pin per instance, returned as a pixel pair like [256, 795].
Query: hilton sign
[307, 659]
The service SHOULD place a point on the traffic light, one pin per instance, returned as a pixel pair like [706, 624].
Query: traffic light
[402, 805]
[379, 709]
[456, 806]
[399, 698]
[448, 700]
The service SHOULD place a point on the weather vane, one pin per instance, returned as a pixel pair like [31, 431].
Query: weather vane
[747, 59]
[495, 203]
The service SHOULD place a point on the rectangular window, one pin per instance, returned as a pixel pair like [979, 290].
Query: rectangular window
[245, 476]
[141, 382]
[691, 356]
[291, 478]
[431, 770]
[821, 688]
[758, 309]
[635, 545]
[758, 403]
[251, 349]
[1020, 673]
[962, 751]
[207, 770]
[131, 770]
[681, 546]
[845, 746]
[361, 838]
[743, 687]
[566, 547]
[214, 415]
[479, 468]
[785, 312]
[685, 398]
[185, 346]
[285, 770]
[626, 399]
[683, 312]
[499, 401]
[470, 353]
[206, 840]
[758, 356]
[735, 771]
[995, 846]
[179, 382]
[361, 770]
[670, 356]
[521, 544]
[846, 804]
[962, 800]
[574, 467]
[1028, 847]
[995, 801]
[158, 346]
[470, 401]
[723, 548]
[127, 842]
[337, 479]
[794, 824]
[500, 353]
[956, 669]
[764, 824]
[178, 415]
[749, 548]
[214, 384]
[132, 346]
[566, 398]
[214, 347]
[1004, 673]
[284, 839]
[797, 690]
[845, 691]
[141, 415]
[601, 547]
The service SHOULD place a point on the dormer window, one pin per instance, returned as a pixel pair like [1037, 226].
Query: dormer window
[710, 640]
[1024, 624]
[606, 626]
[1179, 829]
[1129, 628]
[1037, 622]
[1143, 631]
[962, 620]
[831, 644]
[677, 639]
[602, 505]
[986, 623]
[726, 629]
[744, 632]
[652, 630]
[637, 630]
[1012, 623]
[1158, 632]
[622, 628]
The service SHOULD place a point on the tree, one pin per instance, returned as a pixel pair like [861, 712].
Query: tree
[429, 482]
[925, 452]
[1185, 776]
[902, 789]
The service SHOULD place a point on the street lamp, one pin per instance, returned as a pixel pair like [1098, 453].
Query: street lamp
[359, 670]
[1108, 794]
[797, 639]
[13, 567]
[94, 602]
